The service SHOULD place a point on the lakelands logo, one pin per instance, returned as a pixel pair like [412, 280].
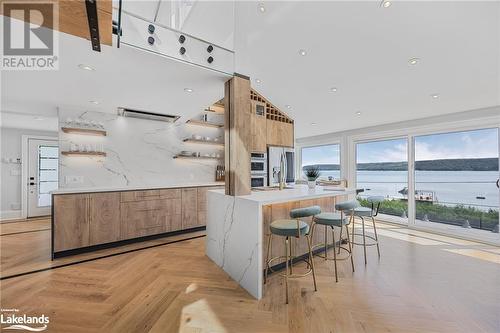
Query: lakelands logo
[29, 38]
[16, 321]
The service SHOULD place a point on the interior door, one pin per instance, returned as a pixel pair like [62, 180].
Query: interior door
[43, 175]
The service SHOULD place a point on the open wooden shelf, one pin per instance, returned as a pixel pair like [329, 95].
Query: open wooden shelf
[197, 157]
[204, 142]
[84, 131]
[83, 153]
[204, 123]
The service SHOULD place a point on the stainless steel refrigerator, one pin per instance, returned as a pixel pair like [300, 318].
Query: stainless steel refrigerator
[273, 167]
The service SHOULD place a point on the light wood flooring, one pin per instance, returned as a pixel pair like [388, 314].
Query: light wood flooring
[423, 283]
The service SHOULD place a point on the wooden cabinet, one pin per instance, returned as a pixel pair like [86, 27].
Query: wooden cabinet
[258, 126]
[189, 208]
[104, 217]
[71, 221]
[82, 220]
[279, 133]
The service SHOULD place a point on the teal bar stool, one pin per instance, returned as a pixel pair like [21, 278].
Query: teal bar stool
[368, 212]
[336, 219]
[289, 229]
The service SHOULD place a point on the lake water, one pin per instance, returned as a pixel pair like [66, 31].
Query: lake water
[449, 187]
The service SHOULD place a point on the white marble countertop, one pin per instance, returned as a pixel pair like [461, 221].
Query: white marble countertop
[130, 188]
[298, 192]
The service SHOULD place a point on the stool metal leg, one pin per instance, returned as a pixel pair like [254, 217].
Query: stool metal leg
[364, 237]
[326, 242]
[376, 236]
[312, 261]
[335, 256]
[269, 242]
[340, 238]
[286, 271]
[291, 255]
[350, 247]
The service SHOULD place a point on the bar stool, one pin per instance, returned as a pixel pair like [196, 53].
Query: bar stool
[335, 219]
[362, 212]
[290, 228]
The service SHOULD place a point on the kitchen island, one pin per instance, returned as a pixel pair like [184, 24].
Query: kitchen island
[89, 219]
[238, 226]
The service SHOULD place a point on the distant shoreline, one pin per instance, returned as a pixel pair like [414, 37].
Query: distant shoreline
[459, 164]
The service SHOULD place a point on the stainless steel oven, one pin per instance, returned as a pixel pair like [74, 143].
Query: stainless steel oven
[258, 163]
[258, 180]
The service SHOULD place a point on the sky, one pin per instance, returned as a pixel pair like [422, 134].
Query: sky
[471, 144]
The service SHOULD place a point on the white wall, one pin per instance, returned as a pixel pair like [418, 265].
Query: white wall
[139, 153]
[10, 178]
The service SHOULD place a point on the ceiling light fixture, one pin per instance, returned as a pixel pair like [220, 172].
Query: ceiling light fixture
[303, 52]
[435, 96]
[413, 61]
[261, 7]
[358, 113]
[386, 3]
[38, 118]
[189, 90]
[333, 89]
[288, 106]
[313, 124]
[86, 67]
[258, 81]
[94, 102]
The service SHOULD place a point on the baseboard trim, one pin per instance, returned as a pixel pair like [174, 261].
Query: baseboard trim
[8, 215]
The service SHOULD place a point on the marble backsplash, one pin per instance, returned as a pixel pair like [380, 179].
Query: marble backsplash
[139, 152]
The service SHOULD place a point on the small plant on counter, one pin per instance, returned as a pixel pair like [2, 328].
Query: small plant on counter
[312, 174]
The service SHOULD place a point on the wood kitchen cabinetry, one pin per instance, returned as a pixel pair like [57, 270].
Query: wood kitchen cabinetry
[83, 220]
[279, 133]
[71, 221]
[258, 124]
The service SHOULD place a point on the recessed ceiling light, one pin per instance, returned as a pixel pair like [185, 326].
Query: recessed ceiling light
[261, 7]
[386, 3]
[333, 89]
[435, 95]
[302, 52]
[258, 81]
[86, 67]
[413, 61]
[94, 102]
[313, 124]
[38, 118]
[189, 90]
[288, 106]
[358, 113]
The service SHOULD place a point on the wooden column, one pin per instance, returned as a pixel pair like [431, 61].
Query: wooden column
[238, 135]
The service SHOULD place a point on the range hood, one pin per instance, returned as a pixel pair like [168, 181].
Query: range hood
[124, 112]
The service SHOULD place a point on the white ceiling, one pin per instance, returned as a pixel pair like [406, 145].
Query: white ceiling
[356, 46]
[28, 121]
[363, 50]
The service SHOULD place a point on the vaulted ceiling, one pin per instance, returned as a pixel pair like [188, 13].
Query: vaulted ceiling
[357, 47]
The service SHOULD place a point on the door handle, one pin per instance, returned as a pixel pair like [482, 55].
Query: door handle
[498, 181]
[32, 184]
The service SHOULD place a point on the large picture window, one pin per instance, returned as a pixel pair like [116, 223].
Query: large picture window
[326, 158]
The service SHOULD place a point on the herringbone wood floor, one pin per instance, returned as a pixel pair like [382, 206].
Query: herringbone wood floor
[423, 283]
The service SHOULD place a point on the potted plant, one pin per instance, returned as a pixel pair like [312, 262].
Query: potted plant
[312, 174]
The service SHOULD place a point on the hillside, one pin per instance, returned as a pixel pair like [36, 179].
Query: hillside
[462, 164]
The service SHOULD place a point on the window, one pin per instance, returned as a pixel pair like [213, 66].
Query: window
[326, 158]
[48, 157]
[455, 181]
[382, 170]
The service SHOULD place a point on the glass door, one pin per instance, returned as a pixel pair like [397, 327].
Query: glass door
[456, 177]
[382, 170]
